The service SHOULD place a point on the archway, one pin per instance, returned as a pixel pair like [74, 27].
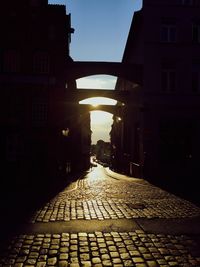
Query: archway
[129, 71]
[101, 121]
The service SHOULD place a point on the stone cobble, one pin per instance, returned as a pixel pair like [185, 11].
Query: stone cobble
[136, 248]
[108, 198]
[99, 197]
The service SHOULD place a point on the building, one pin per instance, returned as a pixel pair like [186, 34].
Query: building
[102, 152]
[160, 131]
[40, 126]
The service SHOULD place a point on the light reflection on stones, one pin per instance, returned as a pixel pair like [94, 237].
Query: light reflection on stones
[97, 196]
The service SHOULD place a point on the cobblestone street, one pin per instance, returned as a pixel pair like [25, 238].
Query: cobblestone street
[107, 219]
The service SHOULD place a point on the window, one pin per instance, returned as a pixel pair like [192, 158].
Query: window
[196, 32]
[175, 140]
[187, 2]
[168, 33]
[168, 77]
[14, 147]
[168, 30]
[34, 3]
[41, 62]
[39, 112]
[196, 77]
[168, 80]
[195, 81]
[14, 106]
[11, 61]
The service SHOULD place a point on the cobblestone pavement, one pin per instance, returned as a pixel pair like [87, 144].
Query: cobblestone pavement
[101, 249]
[98, 197]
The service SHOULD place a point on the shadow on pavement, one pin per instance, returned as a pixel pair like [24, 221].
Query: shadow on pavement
[19, 200]
[183, 188]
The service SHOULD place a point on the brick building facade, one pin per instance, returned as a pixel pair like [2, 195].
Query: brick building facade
[41, 130]
[161, 128]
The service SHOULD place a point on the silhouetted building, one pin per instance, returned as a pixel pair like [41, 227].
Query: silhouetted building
[40, 127]
[160, 133]
[82, 159]
[102, 151]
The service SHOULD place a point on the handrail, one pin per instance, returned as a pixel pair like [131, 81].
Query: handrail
[136, 164]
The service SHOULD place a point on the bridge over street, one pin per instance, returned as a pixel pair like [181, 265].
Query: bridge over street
[128, 71]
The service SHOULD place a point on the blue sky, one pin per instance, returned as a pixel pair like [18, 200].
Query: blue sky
[101, 27]
[101, 31]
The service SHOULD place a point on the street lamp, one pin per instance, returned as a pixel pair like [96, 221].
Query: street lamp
[118, 119]
[65, 132]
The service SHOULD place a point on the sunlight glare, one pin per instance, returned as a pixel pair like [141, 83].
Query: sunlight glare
[101, 122]
[100, 117]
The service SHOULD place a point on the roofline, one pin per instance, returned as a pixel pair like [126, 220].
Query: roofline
[134, 28]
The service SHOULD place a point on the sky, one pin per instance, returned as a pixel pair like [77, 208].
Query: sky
[101, 31]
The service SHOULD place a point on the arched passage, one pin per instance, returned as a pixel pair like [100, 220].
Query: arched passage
[129, 71]
[102, 103]
[100, 119]
[98, 86]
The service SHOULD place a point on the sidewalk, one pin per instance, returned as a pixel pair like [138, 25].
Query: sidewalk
[186, 225]
[117, 175]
